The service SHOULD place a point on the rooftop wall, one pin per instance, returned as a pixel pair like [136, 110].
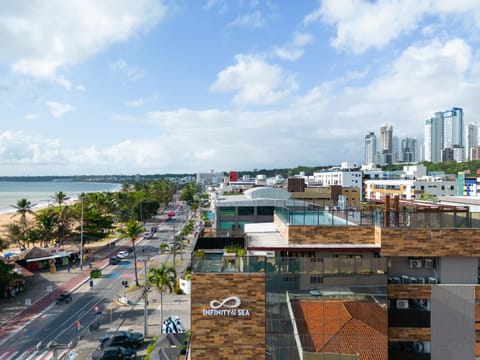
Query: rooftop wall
[428, 242]
[217, 333]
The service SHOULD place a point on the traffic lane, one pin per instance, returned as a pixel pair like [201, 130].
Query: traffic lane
[58, 322]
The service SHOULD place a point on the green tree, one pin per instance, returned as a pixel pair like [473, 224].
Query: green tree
[46, 224]
[7, 274]
[23, 207]
[60, 198]
[163, 279]
[132, 231]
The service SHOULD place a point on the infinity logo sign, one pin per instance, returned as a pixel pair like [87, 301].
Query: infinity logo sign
[230, 302]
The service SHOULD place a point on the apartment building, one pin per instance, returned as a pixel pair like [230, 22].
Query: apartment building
[397, 281]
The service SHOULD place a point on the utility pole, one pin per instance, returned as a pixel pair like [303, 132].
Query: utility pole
[81, 233]
[145, 299]
[174, 249]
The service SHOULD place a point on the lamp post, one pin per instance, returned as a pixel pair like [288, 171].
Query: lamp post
[174, 249]
[81, 234]
[145, 299]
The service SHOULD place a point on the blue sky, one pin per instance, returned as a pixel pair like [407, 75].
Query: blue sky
[150, 86]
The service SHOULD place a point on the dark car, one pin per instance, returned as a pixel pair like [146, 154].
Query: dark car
[121, 338]
[64, 298]
[114, 260]
[114, 352]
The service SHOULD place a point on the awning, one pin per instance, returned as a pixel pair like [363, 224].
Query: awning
[54, 256]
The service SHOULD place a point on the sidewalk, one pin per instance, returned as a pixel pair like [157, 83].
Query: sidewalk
[44, 287]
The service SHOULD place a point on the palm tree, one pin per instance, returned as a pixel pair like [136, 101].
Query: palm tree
[60, 198]
[132, 231]
[163, 279]
[24, 207]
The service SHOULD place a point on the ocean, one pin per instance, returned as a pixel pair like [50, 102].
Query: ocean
[41, 193]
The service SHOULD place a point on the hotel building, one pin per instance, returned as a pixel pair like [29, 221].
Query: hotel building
[397, 280]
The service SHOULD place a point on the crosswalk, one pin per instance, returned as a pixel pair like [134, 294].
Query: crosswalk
[30, 354]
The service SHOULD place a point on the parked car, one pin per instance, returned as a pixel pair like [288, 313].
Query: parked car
[63, 298]
[129, 249]
[121, 338]
[123, 254]
[114, 353]
[114, 260]
[148, 235]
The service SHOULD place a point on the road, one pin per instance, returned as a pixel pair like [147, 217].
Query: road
[58, 323]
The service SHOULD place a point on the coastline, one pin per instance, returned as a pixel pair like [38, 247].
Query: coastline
[11, 216]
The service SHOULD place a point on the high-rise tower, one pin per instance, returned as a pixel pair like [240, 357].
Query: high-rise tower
[386, 144]
[471, 139]
[444, 131]
[370, 148]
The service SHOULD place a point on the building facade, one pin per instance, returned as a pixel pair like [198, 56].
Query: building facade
[370, 148]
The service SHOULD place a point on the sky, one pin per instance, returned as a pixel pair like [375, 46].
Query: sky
[154, 87]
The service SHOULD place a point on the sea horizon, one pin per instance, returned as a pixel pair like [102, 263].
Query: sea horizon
[41, 193]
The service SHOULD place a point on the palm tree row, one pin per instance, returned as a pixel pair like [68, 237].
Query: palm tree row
[103, 212]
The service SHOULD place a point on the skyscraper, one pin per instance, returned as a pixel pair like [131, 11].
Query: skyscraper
[386, 144]
[453, 127]
[370, 148]
[434, 138]
[471, 139]
[409, 150]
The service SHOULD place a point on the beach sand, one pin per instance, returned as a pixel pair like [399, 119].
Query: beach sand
[6, 219]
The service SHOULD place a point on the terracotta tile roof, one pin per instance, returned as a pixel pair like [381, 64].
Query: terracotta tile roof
[344, 327]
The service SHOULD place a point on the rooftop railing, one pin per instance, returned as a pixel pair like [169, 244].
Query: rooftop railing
[406, 218]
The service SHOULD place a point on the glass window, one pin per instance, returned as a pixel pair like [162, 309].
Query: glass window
[265, 210]
[227, 211]
[245, 211]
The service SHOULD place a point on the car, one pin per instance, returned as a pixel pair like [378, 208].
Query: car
[129, 249]
[114, 353]
[123, 254]
[63, 298]
[124, 339]
[114, 260]
[148, 235]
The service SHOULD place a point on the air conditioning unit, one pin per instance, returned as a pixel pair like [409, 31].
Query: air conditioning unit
[432, 280]
[416, 263]
[402, 304]
[421, 347]
[421, 280]
[428, 263]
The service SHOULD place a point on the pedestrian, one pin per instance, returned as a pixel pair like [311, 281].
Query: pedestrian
[68, 268]
[78, 325]
[91, 283]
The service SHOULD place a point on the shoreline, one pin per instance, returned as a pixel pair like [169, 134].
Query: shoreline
[10, 217]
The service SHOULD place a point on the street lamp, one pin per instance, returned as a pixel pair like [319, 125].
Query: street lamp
[145, 300]
[174, 249]
[81, 234]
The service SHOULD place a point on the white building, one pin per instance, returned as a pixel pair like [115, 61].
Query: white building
[410, 189]
[337, 176]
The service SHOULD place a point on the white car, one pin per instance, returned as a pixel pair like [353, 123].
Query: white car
[148, 235]
[123, 254]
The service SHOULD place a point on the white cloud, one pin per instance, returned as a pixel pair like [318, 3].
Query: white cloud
[58, 109]
[17, 148]
[361, 25]
[41, 38]
[132, 72]
[251, 20]
[255, 81]
[293, 50]
[135, 103]
[80, 88]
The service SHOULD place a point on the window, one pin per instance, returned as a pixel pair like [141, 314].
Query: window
[227, 211]
[245, 211]
[265, 210]
[316, 279]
